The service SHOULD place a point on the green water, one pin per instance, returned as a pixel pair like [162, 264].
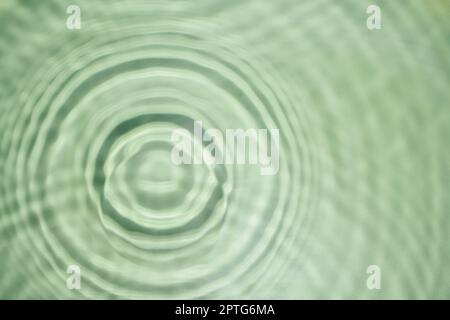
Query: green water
[85, 171]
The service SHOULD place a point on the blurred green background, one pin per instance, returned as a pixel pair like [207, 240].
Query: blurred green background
[85, 171]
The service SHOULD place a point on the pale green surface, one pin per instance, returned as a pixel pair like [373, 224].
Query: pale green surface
[85, 171]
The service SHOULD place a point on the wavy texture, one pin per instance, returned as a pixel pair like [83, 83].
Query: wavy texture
[85, 170]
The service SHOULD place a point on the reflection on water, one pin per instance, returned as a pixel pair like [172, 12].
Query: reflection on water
[85, 150]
